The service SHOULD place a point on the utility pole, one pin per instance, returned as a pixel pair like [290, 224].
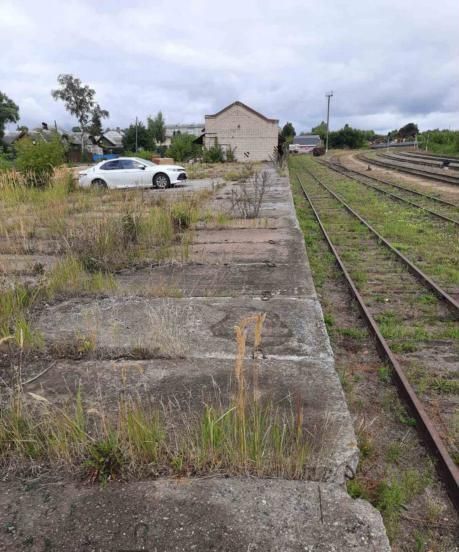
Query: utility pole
[329, 95]
[136, 134]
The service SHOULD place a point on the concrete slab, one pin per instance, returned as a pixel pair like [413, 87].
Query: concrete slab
[265, 279]
[237, 514]
[189, 327]
[188, 385]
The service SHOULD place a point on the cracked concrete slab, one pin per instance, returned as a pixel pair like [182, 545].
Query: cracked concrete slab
[262, 279]
[195, 383]
[191, 327]
[205, 515]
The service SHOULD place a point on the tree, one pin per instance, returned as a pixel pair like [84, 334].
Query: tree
[79, 101]
[9, 113]
[183, 147]
[347, 137]
[144, 139]
[408, 131]
[157, 128]
[288, 132]
[98, 114]
[320, 129]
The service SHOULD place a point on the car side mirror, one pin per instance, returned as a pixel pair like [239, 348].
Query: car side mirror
[143, 167]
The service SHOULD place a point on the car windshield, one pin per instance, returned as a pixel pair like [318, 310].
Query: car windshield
[145, 162]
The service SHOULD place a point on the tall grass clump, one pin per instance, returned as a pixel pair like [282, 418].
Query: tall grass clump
[14, 324]
[246, 434]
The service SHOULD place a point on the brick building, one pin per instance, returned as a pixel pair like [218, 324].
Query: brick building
[251, 135]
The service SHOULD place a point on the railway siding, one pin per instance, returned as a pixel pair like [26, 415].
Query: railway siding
[417, 325]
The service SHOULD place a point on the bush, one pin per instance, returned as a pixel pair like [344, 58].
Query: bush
[38, 159]
[183, 148]
[215, 154]
[142, 154]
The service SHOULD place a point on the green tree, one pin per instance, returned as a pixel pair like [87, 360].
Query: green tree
[9, 113]
[288, 132]
[144, 139]
[183, 147]
[408, 131]
[95, 128]
[320, 129]
[157, 128]
[79, 100]
[39, 158]
[347, 137]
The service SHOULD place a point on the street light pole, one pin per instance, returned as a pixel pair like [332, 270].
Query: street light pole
[136, 134]
[329, 95]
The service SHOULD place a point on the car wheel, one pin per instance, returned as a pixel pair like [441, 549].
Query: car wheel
[161, 181]
[99, 183]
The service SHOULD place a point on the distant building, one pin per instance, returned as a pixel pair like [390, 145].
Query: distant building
[196, 129]
[305, 143]
[249, 134]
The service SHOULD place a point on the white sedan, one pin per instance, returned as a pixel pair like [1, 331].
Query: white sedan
[131, 172]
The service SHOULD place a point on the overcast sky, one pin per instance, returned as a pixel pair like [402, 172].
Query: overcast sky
[388, 62]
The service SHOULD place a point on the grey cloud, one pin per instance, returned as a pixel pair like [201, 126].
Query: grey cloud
[388, 62]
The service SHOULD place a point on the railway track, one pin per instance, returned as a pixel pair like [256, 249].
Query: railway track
[405, 158]
[399, 166]
[432, 156]
[445, 210]
[390, 292]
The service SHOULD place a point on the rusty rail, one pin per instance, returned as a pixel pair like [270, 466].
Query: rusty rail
[446, 467]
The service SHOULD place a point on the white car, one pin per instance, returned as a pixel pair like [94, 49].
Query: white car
[131, 172]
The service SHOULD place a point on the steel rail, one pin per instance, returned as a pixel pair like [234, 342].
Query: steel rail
[431, 156]
[446, 467]
[420, 275]
[344, 171]
[377, 179]
[435, 163]
[417, 172]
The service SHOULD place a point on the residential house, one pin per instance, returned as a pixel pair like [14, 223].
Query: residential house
[195, 129]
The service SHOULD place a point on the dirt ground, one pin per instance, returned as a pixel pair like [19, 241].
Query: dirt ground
[444, 191]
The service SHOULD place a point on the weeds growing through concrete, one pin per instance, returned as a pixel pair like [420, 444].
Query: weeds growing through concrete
[246, 435]
[246, 201]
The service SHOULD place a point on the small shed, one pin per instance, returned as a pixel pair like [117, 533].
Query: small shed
[305, 143]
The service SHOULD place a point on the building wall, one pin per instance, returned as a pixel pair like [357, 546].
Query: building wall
[252, 137]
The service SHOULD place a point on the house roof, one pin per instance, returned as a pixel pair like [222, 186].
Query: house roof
[113, 136]
[240, 104]
[11, 136]
[308, 140]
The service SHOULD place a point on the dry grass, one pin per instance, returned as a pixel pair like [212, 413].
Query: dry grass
[244, 435]
[93, 233]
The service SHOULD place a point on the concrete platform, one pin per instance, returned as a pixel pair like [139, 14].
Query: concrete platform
[204, 515]
[260, 266]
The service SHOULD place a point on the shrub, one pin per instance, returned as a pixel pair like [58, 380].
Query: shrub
[142, 154]
[214, 154]
[37, 159]
[183, 148]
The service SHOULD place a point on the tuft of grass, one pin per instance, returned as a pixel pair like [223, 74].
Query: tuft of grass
[70, 276]
[247, 435]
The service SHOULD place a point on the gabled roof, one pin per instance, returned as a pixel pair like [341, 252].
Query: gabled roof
[11, 136]
[240, 104]
[308, 140]
[113, 136]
